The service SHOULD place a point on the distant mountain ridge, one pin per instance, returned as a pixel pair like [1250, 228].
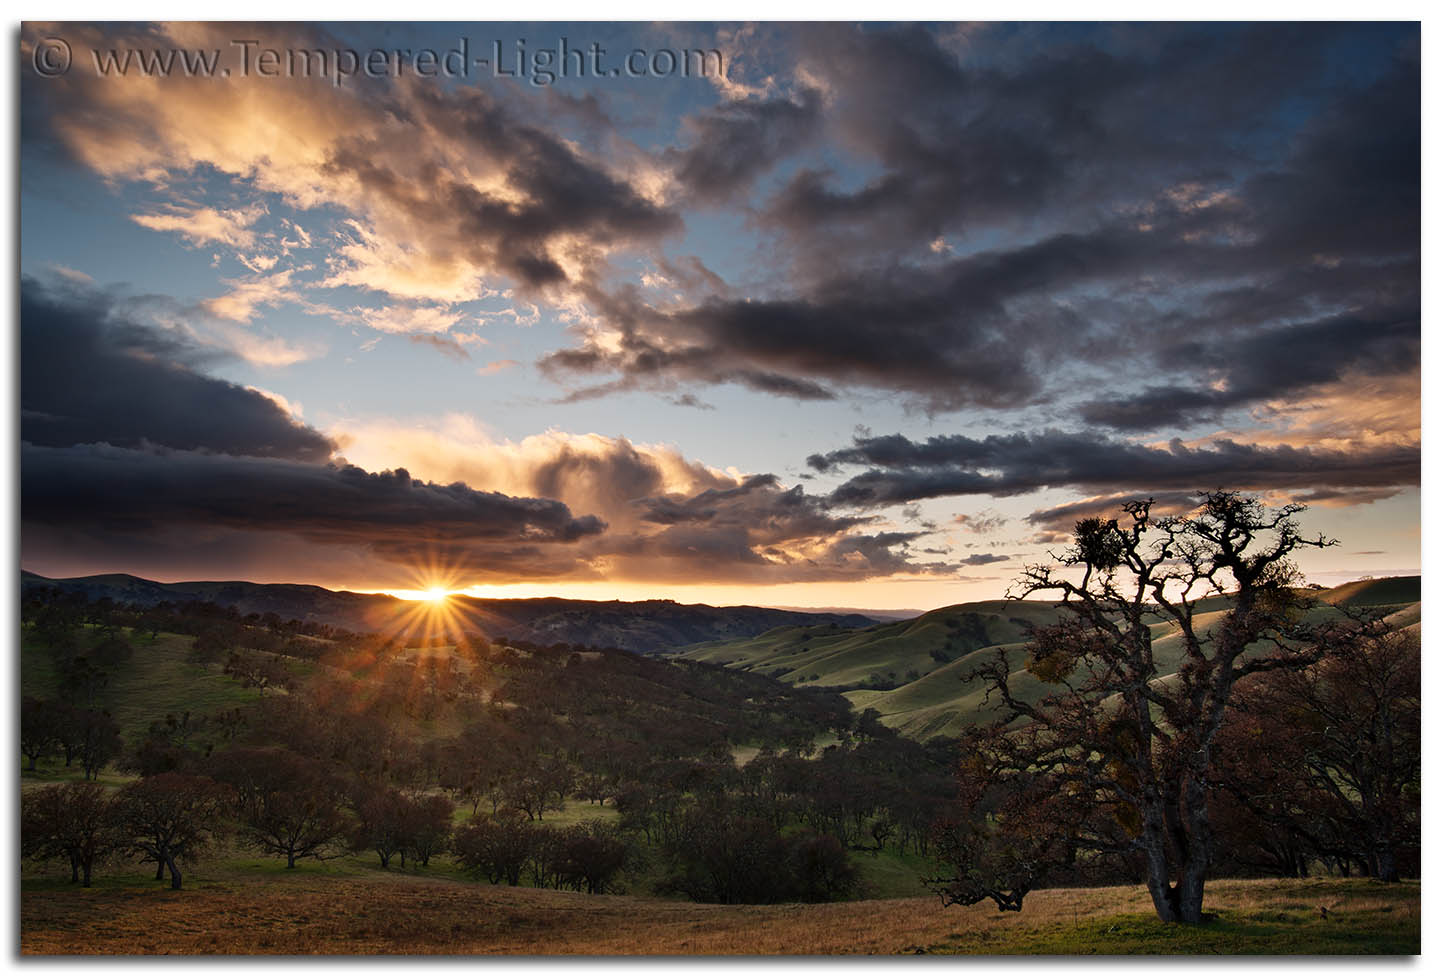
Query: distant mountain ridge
[646, 627]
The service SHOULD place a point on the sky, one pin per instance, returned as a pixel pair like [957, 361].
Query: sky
[804, 315]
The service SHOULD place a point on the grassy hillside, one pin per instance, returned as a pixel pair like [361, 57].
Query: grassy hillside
[913, 672]
[258, 908]
[836, 657]
[1388, 591]
[158, 680]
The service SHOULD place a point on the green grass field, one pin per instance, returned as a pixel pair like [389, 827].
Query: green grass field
[928, 658]
[157, 681]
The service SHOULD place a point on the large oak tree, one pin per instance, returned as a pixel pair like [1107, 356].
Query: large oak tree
[1161, 617]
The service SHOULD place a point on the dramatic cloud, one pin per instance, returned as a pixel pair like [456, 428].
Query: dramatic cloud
[446, 188]
[903, 470]
[1268, 365]
[984, 559]
[126, 442]
[129, 494]
[738, 141]
[1037, 221]
[668, 517]
[982, 523]
[89, 375]
[995, 220]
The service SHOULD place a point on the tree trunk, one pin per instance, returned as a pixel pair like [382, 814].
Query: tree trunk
[1154, 847]
[159, 869]
[85, 875]
[174, 874]
[1197, 854]
[290, 859]
[1387, 866]
[1189, 893]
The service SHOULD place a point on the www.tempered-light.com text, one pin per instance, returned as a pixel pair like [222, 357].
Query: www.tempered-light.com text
[537, 65]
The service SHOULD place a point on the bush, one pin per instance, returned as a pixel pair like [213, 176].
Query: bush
[732, 859]
[496, 848]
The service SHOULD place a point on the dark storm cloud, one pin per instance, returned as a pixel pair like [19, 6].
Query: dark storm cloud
[943, 332]
[1273, 364]
[132, 492]
[756, 505]
[903, 470]
[735, 142]
[127, 443]
[87, 375]
[1029, 221]
[1034, 120]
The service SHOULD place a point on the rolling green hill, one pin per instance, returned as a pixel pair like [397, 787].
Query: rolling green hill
[914, 672]
[1388, 591]
[836, 657]
[160, 679]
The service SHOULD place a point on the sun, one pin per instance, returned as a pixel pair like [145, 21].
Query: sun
[436, 594]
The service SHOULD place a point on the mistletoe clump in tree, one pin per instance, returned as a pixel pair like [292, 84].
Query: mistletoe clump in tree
[1161, 617]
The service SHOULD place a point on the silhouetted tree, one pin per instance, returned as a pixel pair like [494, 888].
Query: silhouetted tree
[719, 855]
[81, 679]
[428, 827]
[539, 787]
[75, 821]
[99, 739]
[496, 847]
[383, 823]
[111, 652]
[170, 818]
[290, 805]
[40, 728]
[1137, 751]
[257, 670]
[593, 853]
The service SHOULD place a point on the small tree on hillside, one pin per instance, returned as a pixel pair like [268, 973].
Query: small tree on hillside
[496, 847]
[169, 819]
[289, 805]
[98, 737]
[429, 827]
[1129, 756]
[382, 823]
[40, 728]
[75, 821]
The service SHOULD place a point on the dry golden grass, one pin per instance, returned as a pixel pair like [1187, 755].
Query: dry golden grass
[300, 914]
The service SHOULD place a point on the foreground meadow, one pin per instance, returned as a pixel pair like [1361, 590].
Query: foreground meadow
[314, 911]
